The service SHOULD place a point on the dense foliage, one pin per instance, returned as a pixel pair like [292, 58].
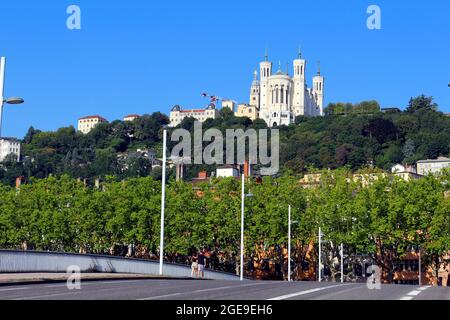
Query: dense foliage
[355, 136]
[382, 219]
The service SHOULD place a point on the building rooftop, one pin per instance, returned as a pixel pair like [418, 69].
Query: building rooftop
[9, 139]
[440, 159]
[193, 110]
[93, 117]
[227, 166]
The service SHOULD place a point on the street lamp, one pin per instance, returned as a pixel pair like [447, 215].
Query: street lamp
[418, 250]
[12, 100]
[342, 263]
[320, 254]
[289, 242]
[163, 197]
[242, 225]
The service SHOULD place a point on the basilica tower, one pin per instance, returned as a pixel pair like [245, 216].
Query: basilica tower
[298, 100]
[255, 91]
[265, 71]
[318, 83]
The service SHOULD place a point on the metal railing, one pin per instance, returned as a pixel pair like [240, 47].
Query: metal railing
[14, 261]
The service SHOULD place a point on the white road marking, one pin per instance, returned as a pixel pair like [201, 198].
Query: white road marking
[301, 293]
[12, 289]
[48, 295]
[106, 282]
[163, 296]
[424, 288]
[414, 293]
[212, 289]
[83, 283]
[200, 290]
[333, 294]
[56, 286]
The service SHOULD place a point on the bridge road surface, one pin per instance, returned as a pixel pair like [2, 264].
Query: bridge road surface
[218, 290]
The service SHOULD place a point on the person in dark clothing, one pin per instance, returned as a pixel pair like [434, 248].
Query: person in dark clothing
[201, 264]
[194, 267]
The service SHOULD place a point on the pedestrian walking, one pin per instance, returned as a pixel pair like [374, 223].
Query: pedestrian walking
[201, 264]
[194, 267]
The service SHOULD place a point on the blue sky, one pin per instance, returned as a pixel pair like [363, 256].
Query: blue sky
[142, 56]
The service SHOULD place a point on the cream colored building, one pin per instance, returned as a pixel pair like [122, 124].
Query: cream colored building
[86, 124]
[177, 114]
[9, 146]
[230, 104]
[280, 97]
[131, 117]
[246, 110]
[433, 166]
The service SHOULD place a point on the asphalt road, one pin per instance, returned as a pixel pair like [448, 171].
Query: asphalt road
[218, 290]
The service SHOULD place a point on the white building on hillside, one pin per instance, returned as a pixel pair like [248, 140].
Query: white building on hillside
[131, 117]
[177, 114]
[9, 146]
[280, 97]
[227, 171]
[86, 124]
[425, 167]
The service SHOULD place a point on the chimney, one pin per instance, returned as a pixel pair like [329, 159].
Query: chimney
[203, 175]
[247, 171]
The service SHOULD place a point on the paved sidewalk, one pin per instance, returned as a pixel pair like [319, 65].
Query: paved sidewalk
[21, 278]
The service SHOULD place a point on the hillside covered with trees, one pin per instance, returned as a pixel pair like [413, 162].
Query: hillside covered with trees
[353, 136]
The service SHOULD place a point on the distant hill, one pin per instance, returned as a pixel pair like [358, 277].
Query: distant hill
[346, 136]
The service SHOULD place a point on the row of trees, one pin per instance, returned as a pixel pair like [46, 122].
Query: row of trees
[383, 219]
[341, 108]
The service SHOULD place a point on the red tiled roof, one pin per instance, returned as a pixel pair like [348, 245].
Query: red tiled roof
[93, 117]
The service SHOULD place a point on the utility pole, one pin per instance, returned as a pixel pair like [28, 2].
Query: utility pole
[420, 267]
[12, 100]
[289, 244]
[2, 86]
[342, 263]
[163, 197]
[242, 227]
[320, 254]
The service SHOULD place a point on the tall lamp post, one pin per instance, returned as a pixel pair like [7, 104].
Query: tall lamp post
[243, 196]
[418, 250]
[320, 254]
[342, 263]
[12, 100]
[289, 244]
[163, 198]
[290, 223]
[242, 227]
